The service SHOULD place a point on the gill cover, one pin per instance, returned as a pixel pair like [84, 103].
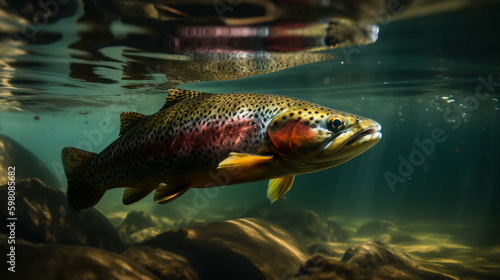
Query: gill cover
[300, 134]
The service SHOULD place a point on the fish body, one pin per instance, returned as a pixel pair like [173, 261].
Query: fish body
[200, 140]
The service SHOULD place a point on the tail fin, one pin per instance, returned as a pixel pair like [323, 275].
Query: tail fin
[81, 194]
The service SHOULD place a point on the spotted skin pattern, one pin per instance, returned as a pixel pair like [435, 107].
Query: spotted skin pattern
[196, 139]
[193, 135]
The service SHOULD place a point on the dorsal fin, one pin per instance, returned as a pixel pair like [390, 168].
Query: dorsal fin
[128, 119]
[176, 95]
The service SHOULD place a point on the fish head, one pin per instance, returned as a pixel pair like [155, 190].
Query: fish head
[316, 139]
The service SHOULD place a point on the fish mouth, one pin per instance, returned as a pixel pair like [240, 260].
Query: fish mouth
[365, 135]
[349, 140]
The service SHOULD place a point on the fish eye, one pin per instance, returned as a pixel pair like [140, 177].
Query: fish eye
[335, 123]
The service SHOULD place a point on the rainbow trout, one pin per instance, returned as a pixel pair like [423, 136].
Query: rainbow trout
[202, 140]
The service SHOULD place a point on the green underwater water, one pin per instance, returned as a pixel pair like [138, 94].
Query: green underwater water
[435, 173]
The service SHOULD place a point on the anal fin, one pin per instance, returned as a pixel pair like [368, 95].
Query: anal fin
[279, 187]
[166, 193]
[131, 195]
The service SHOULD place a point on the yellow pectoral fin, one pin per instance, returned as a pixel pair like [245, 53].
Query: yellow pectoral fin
[238, 160]
[278, 187]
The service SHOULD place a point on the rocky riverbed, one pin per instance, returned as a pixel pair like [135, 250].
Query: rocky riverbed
[267, 242]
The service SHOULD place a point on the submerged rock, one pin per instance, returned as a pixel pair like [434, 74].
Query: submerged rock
[116, 219]
[137, 220]
[235, 249]
[143, 235]
[26, 163]
[162, 263]
[379, 259]
[320, 267]
[55, 261]
[306, 225]
[330, 249]
[42, 217]
[139, 226]
[384, 231]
